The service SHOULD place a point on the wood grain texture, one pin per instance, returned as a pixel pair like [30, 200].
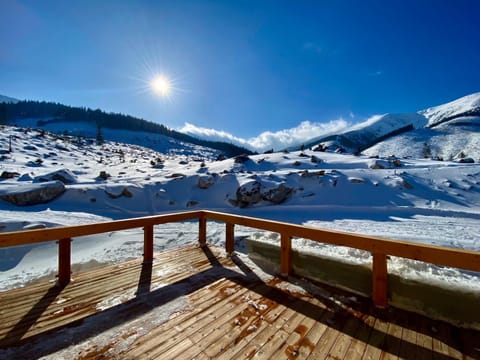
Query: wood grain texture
[231, 314]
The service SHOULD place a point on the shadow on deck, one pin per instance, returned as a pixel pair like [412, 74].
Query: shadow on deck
[196, 303]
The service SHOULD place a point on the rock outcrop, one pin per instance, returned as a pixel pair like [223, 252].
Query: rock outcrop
[254, 191]
[249, 193]
[63, 175]
[278, 195]
[9, 175]
[204, 182]
[32, 194]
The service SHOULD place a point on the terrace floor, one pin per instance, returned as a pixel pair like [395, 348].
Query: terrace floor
[195, 303]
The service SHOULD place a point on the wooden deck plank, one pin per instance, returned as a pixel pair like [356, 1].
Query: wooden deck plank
[45, 312]
[249, 344]
[246, 323]
[229, 314]
[393, 341]
[189, 324]
[91, 281]
[343, 341]
[362, 334]
[213, 334]
[297, 341]
[376, 340]
[240, 345]
[48, 317]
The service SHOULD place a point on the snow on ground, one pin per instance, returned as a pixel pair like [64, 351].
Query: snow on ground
[416, 200]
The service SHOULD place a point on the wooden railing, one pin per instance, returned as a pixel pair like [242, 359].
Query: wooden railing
[379, 248]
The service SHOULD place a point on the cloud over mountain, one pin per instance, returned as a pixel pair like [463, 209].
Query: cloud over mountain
[277, 140]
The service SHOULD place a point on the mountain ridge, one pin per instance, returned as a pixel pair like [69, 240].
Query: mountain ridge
[385, 135]
[7, 99]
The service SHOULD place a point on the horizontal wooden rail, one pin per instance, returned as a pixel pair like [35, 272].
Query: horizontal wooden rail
[378, 247]
[458, 258]
[49, 234]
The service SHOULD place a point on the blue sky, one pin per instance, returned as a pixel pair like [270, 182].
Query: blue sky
[245, 67]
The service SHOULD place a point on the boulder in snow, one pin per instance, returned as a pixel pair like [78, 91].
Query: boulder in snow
[378, 164]
[204, 182]
[314, 159]
[9, 175]
[63, 175]
[249, 193]
[278, 195]
[104, 175]
[466, 160]
[124, 193]
[355, 180]
[33, 194]
[242, 158]
[253, 192]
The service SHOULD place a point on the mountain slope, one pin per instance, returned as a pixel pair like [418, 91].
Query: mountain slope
[372, 131]
[467, 106]
[6, 99]
[43, 114]
[449, 131]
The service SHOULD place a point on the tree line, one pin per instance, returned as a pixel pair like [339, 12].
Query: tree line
[49, 112]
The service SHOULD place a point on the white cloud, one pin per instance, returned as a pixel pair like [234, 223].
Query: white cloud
[278, 140]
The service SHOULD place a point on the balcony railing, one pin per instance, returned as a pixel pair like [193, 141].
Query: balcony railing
[379, 248]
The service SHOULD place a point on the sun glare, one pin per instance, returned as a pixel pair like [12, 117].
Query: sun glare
[161, 85]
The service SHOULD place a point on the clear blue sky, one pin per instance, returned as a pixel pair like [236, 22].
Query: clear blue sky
[242, 66]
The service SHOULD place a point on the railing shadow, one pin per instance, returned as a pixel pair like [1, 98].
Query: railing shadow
[324, 309]
[349, 319]
[145, 280]
[81, 330]
[16, 334]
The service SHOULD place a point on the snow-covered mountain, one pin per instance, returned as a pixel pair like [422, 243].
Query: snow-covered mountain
[465, 107]
[6, 99]
[449, 131]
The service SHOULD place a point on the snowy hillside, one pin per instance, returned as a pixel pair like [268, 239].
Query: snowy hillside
[6, 99]
[417, 200]
[467, 106]
[368, 133]
[459, 143]
[156, 142]
[449, 131]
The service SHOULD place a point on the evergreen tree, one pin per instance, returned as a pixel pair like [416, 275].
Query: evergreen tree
[3, 114]
[99, 137]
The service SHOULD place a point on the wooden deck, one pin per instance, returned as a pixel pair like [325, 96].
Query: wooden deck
[195, 303]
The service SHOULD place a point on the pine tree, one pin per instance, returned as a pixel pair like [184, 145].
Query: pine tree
[99, 138]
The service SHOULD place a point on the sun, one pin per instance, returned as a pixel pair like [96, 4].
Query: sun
[161, 85]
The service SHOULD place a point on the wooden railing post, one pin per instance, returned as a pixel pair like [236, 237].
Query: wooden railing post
[229, 238]
[285, 255]
[64, 261]
[202, 230]
[148, 243]
[380, 284]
